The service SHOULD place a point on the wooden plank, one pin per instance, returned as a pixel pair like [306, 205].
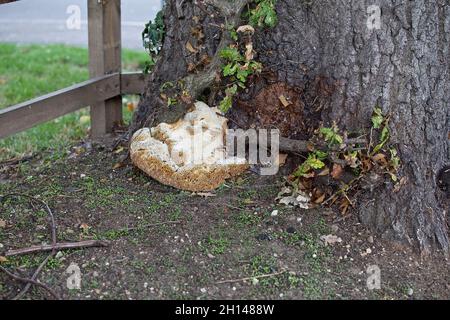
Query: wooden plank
[132, 83]
[104, 58]
[30, 113]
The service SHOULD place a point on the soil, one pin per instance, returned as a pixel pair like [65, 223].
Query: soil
[231, 235]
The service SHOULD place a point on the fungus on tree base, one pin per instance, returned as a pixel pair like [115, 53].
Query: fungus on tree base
[189, 154]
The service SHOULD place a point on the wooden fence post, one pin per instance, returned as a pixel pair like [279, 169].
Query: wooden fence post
[104, 28]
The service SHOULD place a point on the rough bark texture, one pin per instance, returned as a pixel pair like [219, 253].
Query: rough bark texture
[404, 68]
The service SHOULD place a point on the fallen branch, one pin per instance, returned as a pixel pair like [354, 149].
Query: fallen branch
[255, 277]
[33, 278]
[15, 161]
[291, 145]
[53, 248]
[35, 282]
[58, 246]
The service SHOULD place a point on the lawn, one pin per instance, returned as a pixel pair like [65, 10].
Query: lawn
[28, 71]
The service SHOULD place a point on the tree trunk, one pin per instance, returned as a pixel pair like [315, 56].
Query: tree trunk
[327, 52]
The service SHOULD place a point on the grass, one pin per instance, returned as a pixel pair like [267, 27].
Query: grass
[29, 71]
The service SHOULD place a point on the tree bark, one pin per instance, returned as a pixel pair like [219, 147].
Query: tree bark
[325, 51]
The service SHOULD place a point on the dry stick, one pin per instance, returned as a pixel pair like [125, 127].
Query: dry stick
[58, 246]
[26, 280]
[13, 162]
[151, 225]
[43, 203]
[33, 278]
[256, 277]
[345, 188]
[53, 228]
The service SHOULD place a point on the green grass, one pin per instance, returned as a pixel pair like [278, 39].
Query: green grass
[29, 71]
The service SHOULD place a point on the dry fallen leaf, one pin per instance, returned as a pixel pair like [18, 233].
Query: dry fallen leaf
[344, 206]
[246, 28]
[320, 199]
[85, 227]
[284, 101]
[118, 165]
[119, 150]
[190, 48]
[2, 223]
[282, 159]
[379, 157]
[324, 172]
[330, 239]
[403, 181]
[336, 173]
[249, 52]
[3, 259]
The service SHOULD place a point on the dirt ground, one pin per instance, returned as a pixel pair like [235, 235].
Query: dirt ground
[233, 235]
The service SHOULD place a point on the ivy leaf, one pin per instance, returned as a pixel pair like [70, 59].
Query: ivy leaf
[331, 135]
[316, 163]
[227, 102]
[377, 118]
[271, 19]
[230, 54]
[242, 75]
[230, 69]
[384, 134]
[321, 155]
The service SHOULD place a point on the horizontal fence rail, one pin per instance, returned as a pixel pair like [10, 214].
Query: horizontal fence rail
[102, 93]
[51, 106]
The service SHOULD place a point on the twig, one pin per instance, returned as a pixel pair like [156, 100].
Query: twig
[58, 246]
[343, 190]
[33, 277]
[152, 225]
[53, 228]
[35, 282]
[255, 277]
[15, 161]
[43, 203]
[53, 247]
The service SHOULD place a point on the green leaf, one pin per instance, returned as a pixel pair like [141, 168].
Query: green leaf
[384, 134]
[230, 69]
[302, 170]
[231, 54]
[395, 160]
[321, 154]
[271, 19]
[315, 163]
[331, 135]
[225, 104]
[242, 75]
[377, 118]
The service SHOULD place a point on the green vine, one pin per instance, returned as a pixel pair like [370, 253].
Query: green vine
[264, 15]
[239, 63]
[152, 39]
[339, 154]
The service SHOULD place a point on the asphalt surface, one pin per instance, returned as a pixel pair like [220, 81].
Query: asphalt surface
[46, 21]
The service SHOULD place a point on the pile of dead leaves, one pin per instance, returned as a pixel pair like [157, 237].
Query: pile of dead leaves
[339, 168]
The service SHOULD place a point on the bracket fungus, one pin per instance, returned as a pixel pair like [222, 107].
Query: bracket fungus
[189, 154]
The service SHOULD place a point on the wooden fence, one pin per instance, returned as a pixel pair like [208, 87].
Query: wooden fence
[103, 92]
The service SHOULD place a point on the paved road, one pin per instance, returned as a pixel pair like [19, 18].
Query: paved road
[44, 21]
